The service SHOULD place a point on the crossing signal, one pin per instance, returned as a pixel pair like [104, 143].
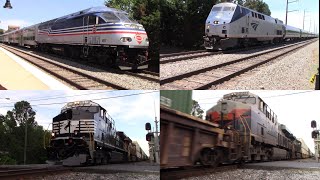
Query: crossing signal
[148, 126]
[313, 124]
[149, 136]
[315, 134]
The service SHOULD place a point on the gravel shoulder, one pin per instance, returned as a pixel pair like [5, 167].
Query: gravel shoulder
[292, 72]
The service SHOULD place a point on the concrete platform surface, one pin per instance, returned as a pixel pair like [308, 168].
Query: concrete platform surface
[299, 164]
[17, 74]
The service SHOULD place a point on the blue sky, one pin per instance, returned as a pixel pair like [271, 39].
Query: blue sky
[130, 113]
[278, 10]
[295, 111]
[29, 12]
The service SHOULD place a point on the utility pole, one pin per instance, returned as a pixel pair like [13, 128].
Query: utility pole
[287, 7]
[153, 138]
[304, 14]
[26, 136]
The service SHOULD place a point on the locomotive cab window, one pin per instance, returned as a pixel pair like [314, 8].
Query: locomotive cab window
[110, 17]
[252, 13]
[259, 16]
[216, 9]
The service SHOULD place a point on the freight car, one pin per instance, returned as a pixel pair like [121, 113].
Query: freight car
[229, 25]
[83, 133]
[101, 34]
[240, 128]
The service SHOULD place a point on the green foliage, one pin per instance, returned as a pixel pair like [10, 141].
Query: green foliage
[182, 22]
[147, 13]
[259, 6]
[196, 109]
[12, 134]
[1, 31]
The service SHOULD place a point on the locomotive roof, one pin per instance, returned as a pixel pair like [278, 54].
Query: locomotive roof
[80, 103]
[92, 10]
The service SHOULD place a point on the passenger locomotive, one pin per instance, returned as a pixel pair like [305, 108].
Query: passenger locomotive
[230, 25]
[104, 35]
[83, 133]
[241, 127]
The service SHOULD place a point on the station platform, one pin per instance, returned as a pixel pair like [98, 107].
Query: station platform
[18, 74]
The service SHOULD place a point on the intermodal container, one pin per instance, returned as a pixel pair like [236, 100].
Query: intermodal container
[180, 100]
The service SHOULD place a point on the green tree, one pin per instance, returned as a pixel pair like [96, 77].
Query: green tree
[125, 5]
[196, 109]
[12, 134]
[1, 31]
[259, 6]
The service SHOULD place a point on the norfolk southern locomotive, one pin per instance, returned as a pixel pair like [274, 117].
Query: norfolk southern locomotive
[230, 25]
[241, 127]
[102, 34]
[83, 133]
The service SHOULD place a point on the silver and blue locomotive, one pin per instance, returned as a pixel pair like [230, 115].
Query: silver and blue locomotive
[101, 34]
[230, 25]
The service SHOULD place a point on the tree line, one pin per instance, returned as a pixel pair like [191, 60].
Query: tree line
[12, 136]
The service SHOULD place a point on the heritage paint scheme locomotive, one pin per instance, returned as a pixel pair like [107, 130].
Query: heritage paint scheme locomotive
[84, 133]
[106, 35]
[239, 128]
[229, 25]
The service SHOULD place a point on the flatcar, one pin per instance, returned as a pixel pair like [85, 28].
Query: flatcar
[241, 127]
[83, 133]
[230, 25]
[101, 34]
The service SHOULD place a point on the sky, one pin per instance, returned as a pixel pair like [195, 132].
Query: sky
[129, 113]
[28, 12]
[278, 10]
[296, 111]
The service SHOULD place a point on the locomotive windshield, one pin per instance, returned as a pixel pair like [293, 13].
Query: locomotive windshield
[110, 17]
[224, 8]
[91, 109]
[125, 18]
[246, 99]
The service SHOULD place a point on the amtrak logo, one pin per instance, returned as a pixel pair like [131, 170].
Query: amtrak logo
[254, 26]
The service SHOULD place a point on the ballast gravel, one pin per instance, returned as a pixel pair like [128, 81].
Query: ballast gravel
[94, 176]
[181, 67]
[253, 174]
[292, 72]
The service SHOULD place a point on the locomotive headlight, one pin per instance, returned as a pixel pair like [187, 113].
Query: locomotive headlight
[125, 39]
[52, 134]
[215, 22]
[75, 132]
[224, 27]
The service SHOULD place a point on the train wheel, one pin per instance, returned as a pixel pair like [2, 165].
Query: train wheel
[211, 157]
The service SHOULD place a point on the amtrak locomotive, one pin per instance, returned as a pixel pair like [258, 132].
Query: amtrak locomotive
[230, 25]
[101, 34]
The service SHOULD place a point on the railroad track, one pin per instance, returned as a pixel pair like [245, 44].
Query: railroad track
[175, 57]
[217, 74]
[23, 173]
[72, 76]
[179, 173]
[181, 53]
[153, 77]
